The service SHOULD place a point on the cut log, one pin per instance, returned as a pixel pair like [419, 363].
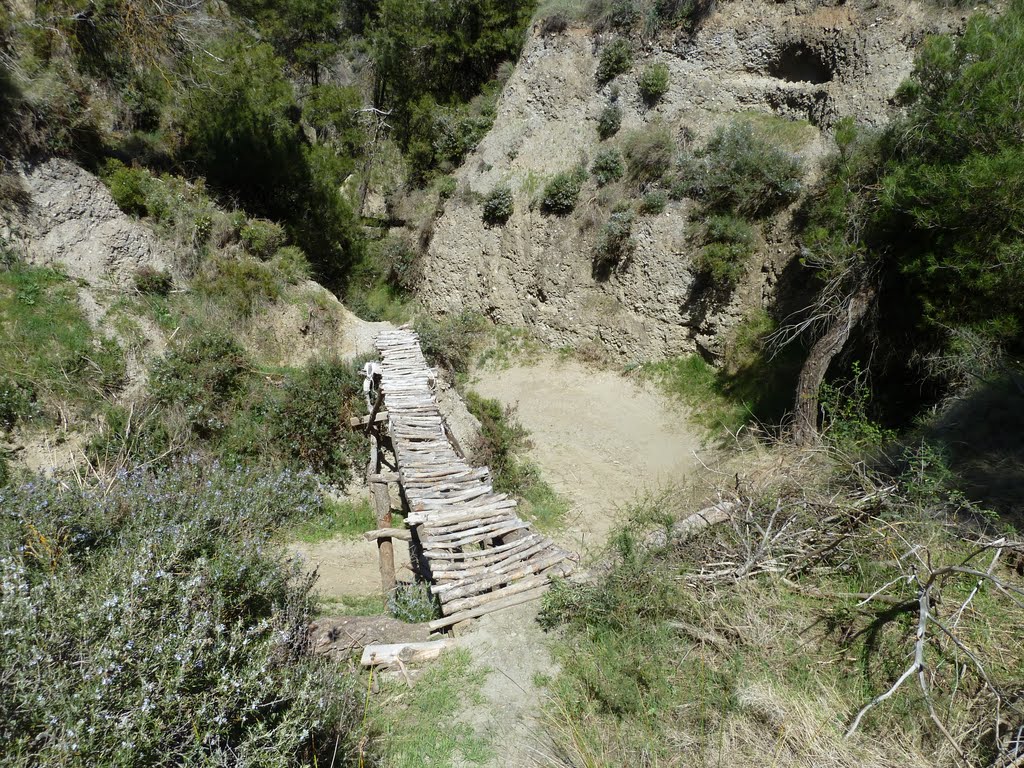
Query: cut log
[681, 530]
[407, 653]
[363, 421]
[388, 533]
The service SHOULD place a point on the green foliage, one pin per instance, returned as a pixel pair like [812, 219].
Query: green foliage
[609, 121]
[653, 83]
[306, 32]
[432, 59]
[130, 187]
[262, 238]
[291, 264]
[562, 191]
[728, 243]
[607, 167]
[616, 59]
[381, 282]
[450, 341]
[161, 604]
[238, 130]
[308, 421]
[653, 202]
[241, 285]
[742, 173]
[649, 152]
[498, 205]
[202, 375]
[339, 519]
[847, 422]
[155, 281]
[413, 603]
[952, 199]
[50, 357]
[615, 244]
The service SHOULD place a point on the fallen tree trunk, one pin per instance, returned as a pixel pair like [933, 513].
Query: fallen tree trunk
[690, 526]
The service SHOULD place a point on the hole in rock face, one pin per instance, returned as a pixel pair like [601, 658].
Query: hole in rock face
[800, 63]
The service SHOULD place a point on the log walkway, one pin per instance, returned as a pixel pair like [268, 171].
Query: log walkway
[480, 555]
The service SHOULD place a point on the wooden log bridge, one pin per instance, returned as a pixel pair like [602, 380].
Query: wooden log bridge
[478, 553]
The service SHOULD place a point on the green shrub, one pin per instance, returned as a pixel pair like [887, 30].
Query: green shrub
[403, 264]
[740, 172]
[292, 264]
[131, 188]
[653, 203]
[309, 421]
[450, 341]
[154, 622]
[847, 422]
[502, 439]
[653, 83]
[607, 167]
[498, 205]
[615, 244]
[729, 241]
[610, 120]
[240, 284]
[616, 59]
[446, 187]
[413, 603]
[262, 238]
[202, 375]
[562, 192]
[150, 280]
[649, 153]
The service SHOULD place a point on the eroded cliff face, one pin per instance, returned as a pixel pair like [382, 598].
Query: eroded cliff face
[790, 60]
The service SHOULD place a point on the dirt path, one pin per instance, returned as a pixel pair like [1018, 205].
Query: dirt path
[600, 439]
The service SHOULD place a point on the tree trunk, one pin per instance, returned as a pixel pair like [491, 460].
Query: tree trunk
[805, 423]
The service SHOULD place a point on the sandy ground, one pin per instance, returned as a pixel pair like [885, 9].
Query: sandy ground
[599, 438]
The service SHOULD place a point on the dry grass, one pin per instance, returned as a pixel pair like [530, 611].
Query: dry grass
[756, 642]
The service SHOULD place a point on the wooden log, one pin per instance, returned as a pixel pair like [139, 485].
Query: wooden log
[497, 605]
[383, 477]
[385, 547]
[388, 533]
[447, 554]
[363, 421]
[386, 654]
[681, 530]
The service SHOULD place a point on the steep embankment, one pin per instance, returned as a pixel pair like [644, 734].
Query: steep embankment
[805, 63]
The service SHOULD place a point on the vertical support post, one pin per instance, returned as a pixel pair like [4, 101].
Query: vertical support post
[385, 547]
[380, 497]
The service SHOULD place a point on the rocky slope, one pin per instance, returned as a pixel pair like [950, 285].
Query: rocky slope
[793, 60]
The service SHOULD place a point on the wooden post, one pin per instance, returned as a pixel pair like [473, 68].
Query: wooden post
[385, 546]
[380, 497]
